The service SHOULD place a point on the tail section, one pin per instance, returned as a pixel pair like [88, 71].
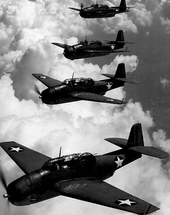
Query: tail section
[120, 40]
[135, 136]
[135, 143]
[122, 6]
[120, 74]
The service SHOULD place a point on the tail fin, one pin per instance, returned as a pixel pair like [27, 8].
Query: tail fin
[135, 136]
[120, 72]
[122, 6]
[120, 41]
[120, 75]
[135, 143]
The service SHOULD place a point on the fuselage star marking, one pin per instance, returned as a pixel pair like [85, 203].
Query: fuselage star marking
[119, 162]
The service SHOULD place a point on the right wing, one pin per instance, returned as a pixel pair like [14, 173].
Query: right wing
[102, 193]
[27, 159]
[49, 82]
[96, 98]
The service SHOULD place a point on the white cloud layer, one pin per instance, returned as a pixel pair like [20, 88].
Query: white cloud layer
[27, 30]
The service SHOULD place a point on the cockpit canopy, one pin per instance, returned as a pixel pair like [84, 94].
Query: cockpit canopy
[69, 161]
[79, 81]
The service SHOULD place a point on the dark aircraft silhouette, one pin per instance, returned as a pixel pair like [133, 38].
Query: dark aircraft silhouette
[86, 48]
[102, 10]
[79, 176]
[75, 89]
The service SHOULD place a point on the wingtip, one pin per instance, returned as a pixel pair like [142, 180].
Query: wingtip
[151, 209]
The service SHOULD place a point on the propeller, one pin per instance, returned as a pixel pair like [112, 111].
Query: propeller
[36, 89]
[4, 184]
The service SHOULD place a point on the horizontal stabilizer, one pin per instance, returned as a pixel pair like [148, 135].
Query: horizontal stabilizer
[150, 151]
[131, 81]
[117, 141]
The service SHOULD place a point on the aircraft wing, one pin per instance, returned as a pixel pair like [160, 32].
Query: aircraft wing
[102, 193]
[96, 98]
[27, 159]
[104, 51]
[49, 82]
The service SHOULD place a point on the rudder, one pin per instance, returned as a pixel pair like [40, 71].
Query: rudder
[135, 136]
[120, 41]
[122, 6]
[120, 72]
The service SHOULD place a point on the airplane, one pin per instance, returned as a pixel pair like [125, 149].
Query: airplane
[101, 10]
[75, 89]
[87, 48]
[80, 175]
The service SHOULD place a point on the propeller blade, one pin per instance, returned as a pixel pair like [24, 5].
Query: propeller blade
[3, 179]
[36, 90]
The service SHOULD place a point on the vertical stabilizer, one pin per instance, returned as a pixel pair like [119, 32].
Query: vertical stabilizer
[122, 6]
[135, 136]
[120, 72]
[120, 41]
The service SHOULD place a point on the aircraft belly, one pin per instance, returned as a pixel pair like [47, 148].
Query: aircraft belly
[97, 14]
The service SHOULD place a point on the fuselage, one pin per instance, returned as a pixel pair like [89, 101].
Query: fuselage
[88, 49]
[43, 183]
[62, 93]
[100, 11]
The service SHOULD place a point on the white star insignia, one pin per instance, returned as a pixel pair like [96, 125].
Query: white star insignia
[112, 46]
[15, 149]
[126, 202]
[109, 86]
[119, 162]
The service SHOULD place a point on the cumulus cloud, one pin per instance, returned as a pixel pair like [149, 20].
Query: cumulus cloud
[27, 30]
[165, 82]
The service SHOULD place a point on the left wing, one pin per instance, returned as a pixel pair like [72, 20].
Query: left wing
[49, 82]
[96, 98]
[105, 194]
[27, 159]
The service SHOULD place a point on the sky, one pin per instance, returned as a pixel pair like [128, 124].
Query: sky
[27, 29]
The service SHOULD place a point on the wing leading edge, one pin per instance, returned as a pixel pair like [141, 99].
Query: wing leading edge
[27, 159]
[96, 98]
[101, 193]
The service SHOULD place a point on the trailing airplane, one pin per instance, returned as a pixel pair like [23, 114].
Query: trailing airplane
[75, 89]
[101, 10]
[79, 176]
[87, 48]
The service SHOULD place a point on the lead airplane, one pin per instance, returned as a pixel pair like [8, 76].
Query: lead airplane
[79, 176]
[96, 48]
[75, 89]
[102, 10]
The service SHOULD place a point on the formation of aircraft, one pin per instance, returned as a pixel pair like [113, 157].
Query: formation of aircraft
[75, 89]
[80, 176]
[87, 48]
[101, 10]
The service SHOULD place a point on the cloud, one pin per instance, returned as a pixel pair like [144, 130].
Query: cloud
[165, 82]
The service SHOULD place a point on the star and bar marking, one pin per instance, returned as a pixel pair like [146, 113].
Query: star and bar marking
[119, 161]
[126, 202]
[109, 86]
[15, 149]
